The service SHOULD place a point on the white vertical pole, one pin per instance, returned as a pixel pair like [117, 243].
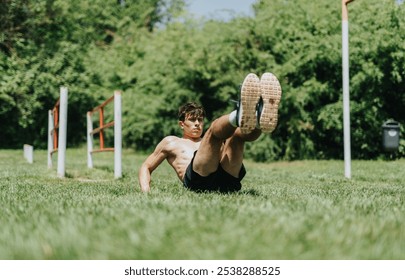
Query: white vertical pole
[346, 96]
[25, 149]
[117, 135]
[50, 138]
[63, 107]
[89, 140]
[29, 153]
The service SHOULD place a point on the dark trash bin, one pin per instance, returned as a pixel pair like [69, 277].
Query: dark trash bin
[390, 136]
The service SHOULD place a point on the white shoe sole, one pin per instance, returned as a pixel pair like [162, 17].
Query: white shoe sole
[249, 96]
[271, 96]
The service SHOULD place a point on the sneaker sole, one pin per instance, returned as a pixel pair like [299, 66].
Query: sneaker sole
[271, 96]
[250, 95]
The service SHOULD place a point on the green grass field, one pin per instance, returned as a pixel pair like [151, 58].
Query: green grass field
[286, 210]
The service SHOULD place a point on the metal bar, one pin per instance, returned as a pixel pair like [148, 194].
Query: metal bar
[117, 123]
[89, 140]
[57, 103]
[101, 124]
[117, 135]
[55, 125]
[98, 129]
[346, 95]
[29, 153]
[103, 150]
[62, 131]
[102, 105]
[50, 138]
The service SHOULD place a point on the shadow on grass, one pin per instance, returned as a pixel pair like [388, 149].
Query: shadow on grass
[251, 192]
[96, 173]
[243, 192]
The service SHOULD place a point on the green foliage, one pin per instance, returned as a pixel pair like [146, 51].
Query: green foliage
[30, 87]
[378, 72]
[160, 58]
[44, 45]
[308, 53]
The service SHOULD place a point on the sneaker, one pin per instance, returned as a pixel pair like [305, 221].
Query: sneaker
[249, 97]
[270, 99]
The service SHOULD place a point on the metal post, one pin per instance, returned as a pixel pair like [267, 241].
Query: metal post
[50, 138]
[55, 114]
[29, 153]
[346, 96]
[101, 125]
[62, 131]
[117, 135]
[89, 140]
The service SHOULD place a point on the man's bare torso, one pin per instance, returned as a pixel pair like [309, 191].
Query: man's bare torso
[180, 152]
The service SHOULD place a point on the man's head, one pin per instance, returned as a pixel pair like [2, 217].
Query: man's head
[191, 120]
[191, 109]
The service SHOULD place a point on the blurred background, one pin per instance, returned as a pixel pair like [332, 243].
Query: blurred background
[162, 53]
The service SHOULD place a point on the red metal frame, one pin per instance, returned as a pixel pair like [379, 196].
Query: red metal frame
[102, 125]
[55, 114]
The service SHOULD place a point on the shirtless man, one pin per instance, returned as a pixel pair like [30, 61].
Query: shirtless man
[215, 162]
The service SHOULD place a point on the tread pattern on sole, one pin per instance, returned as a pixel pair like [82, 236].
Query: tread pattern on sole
[271, 96]
[250, 95]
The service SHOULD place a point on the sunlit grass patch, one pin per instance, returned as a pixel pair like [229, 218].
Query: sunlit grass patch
[286, 210]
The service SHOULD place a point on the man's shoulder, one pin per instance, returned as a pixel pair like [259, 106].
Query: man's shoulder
[174, 142]
[171, 144]
[171, 139]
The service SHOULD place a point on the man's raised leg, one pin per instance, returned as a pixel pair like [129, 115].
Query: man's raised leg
[233, 149]
[212, 150]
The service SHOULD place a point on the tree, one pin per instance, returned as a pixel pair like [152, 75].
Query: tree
[305, 39]
[45, 44]
[161, 60]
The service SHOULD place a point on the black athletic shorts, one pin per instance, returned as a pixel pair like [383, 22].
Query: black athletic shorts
[220, 180]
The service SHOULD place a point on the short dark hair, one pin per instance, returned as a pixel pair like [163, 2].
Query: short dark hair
[191, 109]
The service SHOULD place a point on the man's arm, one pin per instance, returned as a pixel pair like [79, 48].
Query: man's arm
[150, 164]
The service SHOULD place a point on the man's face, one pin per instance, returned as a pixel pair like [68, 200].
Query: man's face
[192, 126]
